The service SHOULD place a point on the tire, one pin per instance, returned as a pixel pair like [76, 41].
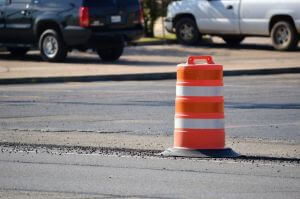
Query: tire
[284, 36]
[110, 54]
[52, 46]
[18, 52]
[233, 40]
[187, 32]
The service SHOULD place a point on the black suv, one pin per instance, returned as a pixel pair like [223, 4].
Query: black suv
[58, 26]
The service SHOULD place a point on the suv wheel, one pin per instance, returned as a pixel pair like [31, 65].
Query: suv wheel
[111, 54]
[187, 32]
[18, 52]
[233, 40]
[52, 46]
[284, 36]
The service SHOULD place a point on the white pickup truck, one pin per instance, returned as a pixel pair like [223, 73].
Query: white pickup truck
[233, 20]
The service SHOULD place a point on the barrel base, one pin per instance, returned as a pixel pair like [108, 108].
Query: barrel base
[200, 153]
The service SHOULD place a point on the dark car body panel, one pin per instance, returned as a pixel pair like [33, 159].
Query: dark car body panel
[22, 21]
[2, 21]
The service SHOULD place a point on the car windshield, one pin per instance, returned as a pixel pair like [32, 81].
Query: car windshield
[109, 3]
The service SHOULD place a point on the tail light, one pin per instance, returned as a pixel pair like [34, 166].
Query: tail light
[141, 14]
[84, 18]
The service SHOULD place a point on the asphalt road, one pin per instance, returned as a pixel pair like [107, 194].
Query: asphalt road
[261, 107]
[54, 175]
[255, 55]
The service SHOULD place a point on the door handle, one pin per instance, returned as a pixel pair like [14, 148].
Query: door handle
[229, 7]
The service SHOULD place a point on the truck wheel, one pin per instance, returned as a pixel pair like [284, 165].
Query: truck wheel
[111, 54]
[18, 52]
[233, 40]
[284, 36]
[187, 31]
[52, 46]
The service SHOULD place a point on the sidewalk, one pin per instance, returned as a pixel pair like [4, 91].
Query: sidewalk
[149, 62]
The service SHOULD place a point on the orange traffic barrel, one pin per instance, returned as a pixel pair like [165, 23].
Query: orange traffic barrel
[199, 110]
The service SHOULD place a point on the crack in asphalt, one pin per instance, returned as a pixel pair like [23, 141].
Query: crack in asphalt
[65, 131]
[62, 149]
[89, 194]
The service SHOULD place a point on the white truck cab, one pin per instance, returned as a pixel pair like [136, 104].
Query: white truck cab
[233, 20]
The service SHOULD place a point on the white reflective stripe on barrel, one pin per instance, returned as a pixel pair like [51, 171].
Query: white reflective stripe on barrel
[199, 91]
[199, 123]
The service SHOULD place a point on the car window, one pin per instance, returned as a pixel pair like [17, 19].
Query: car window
[128, 2]
[108, 3]
[2, 2]
[59, 3]
[20, 1]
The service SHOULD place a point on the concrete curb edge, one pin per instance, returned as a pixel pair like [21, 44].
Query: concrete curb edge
[139, 76]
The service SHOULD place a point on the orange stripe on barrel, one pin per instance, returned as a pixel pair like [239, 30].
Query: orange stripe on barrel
[193, 73]
[186, 105]
[199, 138]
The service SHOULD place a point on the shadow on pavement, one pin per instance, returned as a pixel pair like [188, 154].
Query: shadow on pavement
[240, 47]
[73, 59]
[261, 106]
[243, 46]
[206, 47]
[30, 57]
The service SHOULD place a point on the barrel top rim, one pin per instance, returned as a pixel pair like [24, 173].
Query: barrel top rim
[186, 65]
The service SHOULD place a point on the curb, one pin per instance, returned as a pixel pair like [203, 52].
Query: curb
[92, 78]
[139, 77]
[270, 71]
